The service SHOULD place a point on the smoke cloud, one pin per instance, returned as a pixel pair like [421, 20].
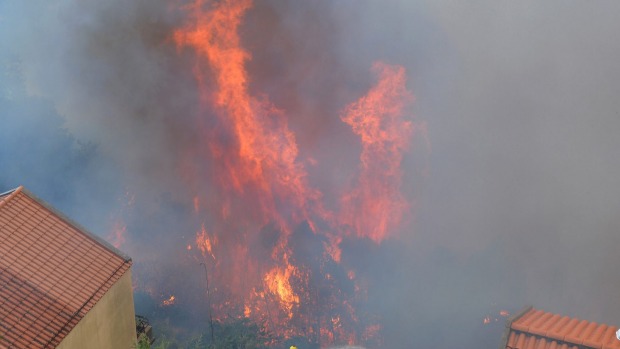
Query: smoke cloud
[515, 190]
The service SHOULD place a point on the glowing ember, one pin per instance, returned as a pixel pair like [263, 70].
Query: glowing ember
[489, 318]
[170, 301]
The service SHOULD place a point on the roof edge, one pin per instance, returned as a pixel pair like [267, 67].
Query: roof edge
[97, 239]
[8, 195]
[509, 321]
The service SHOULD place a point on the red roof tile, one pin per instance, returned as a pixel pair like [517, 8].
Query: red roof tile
[538, 329]
[52, 272]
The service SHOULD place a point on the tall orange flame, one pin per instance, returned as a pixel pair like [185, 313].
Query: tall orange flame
[263, 161]
[263, 193]
[376, 206]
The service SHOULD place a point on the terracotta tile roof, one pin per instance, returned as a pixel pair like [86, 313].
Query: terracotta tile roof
[537, 329]
[52, 272]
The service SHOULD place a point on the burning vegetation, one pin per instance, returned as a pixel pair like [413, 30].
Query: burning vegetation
[270, 246]
[260, 160]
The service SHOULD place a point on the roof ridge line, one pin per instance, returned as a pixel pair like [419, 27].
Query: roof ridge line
[548, 326]
[509, 321]
[9, 195]
[95, 238]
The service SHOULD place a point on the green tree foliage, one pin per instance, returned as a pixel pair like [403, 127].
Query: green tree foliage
[143, 343]
[229, 334]
[238, 334]
[161, 343]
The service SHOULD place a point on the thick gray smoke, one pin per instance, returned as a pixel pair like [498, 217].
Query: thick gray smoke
[516, 204]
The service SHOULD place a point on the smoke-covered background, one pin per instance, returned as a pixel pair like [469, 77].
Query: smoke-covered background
[516, 199]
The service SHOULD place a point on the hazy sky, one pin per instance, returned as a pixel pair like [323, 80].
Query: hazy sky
[516, 200]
